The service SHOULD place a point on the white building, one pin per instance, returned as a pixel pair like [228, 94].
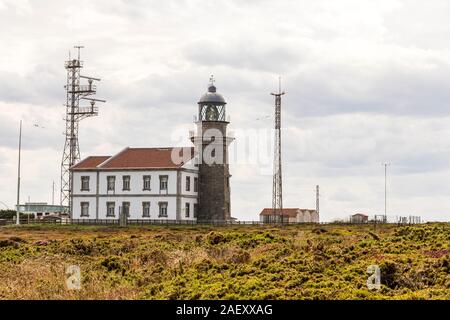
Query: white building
[146, 183]
[290, 215]
[41, 209]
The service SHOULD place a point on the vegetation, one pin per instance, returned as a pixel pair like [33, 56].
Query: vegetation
[239, 262]
[10, 214]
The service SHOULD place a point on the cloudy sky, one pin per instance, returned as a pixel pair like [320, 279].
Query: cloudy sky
[366, 82]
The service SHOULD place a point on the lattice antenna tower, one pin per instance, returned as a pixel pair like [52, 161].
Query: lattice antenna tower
[75, 91]
[277, 188]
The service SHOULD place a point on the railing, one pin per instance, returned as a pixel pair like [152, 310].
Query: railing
[34, 221]
[83, 88]
[162, 222]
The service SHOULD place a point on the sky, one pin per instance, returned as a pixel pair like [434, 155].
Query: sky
[366, 82]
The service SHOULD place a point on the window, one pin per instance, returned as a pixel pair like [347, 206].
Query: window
[188, 183]
[195, 184]
[85, 183]
[163, 209]
[163, 183]
[110, 209]
[146, 209]
[84, 209]
[126, 183]
[146, 183]
[126, 208]
[195, 210]
[187, 211]
[111, 183]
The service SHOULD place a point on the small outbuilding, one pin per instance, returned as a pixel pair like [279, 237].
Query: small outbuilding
[289, 215]
[359, 218]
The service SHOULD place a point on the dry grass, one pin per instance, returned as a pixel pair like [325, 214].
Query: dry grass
[160, 262]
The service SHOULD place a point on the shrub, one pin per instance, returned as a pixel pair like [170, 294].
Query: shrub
[319, 231]
[374, 236]
[112, 264]
[215, 238]
[17, 239]
[8, 243]
[241, 256]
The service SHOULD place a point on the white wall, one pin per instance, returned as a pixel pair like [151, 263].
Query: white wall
[77, 182]
[76, 205]
[315, 217]
[137, 182]
[184, 175]
[191, 202]
[136, 207]
[136, 195]
[307, 216]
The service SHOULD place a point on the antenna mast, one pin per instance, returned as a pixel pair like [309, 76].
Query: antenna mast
[74, 114]
[277, 192]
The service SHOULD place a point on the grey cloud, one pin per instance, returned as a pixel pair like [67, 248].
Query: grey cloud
[245, 54]
[394, 90]
[44, 85]
[347, 107]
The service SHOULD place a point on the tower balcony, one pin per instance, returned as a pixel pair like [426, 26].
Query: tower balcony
[73, 64]
[89, 89]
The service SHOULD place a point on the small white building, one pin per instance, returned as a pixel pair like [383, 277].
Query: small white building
[39, 210]
[359, 218]
[145, 183]
[290, 215]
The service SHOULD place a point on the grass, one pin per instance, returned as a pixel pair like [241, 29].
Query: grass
[238, 262]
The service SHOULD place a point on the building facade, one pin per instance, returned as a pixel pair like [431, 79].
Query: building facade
[144, 183]
[359, 218]
[161, 183]
[290, 215]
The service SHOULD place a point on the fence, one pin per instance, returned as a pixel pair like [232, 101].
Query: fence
[33, 221]
[165, 222]
[66, 221]
[142, 222]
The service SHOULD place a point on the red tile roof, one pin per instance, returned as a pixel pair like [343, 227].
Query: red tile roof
[142, 158]
[90, 162]
[360, 214]
[289, 212]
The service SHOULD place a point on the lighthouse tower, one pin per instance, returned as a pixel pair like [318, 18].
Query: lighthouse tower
[211, 145]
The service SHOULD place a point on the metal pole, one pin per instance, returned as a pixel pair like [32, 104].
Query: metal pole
[18, 177]
[277, 192]
[53, 192]
[317, 199]
[385, 191]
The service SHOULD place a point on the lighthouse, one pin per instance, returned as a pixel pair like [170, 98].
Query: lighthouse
[211, 146]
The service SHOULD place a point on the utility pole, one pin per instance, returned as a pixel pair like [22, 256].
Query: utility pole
[18, 177]
[317, 199]
[53, 193]
[277, 192]
[386, 164]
